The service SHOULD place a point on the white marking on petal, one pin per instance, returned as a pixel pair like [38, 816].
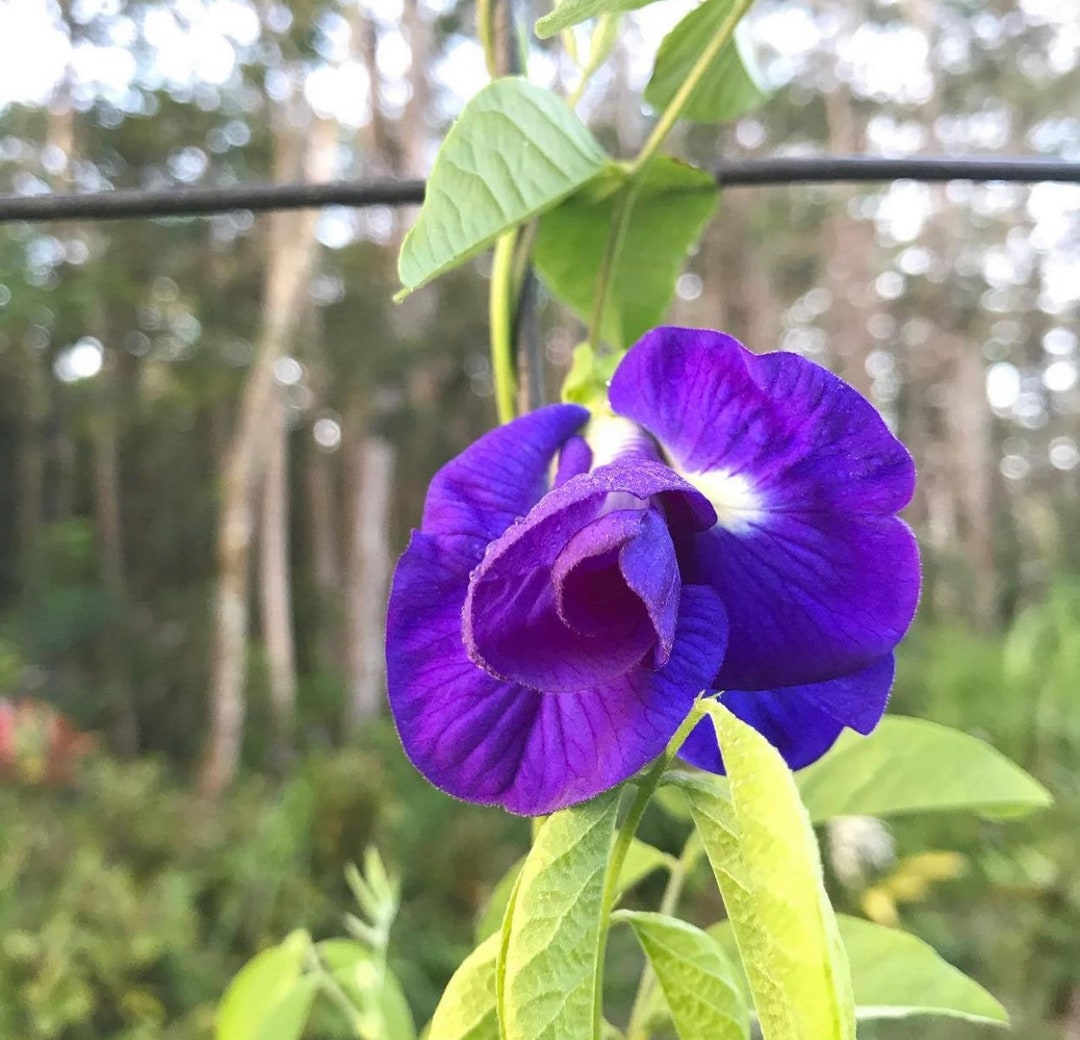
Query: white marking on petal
[610, 436]
[737, 502]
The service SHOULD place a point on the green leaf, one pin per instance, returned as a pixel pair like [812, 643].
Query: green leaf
[896, 975]
[641, 860]
[384, 1012]
[552, 951]
[732, 85]
[673, 205]
[515, 151]
[698, 978]
[572, 12]
[270, 998]
[762, 850]
[466, 1010]
[911, 765]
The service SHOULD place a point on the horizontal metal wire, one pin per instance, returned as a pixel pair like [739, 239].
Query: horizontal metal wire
[189, 202]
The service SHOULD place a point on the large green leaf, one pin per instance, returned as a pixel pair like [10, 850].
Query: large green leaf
[896, 975]
[466, 1010]
[762, 850]
[571, 12]
[270, 998]
[672, 207]
[515, 151]
[641, 860]
[698, 979]
[732, 85]
[911, 765]
[551, 963]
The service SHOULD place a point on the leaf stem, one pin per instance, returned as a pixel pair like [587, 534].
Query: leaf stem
[501, 313]
[620, 222]
[682, 97]
[646, 787]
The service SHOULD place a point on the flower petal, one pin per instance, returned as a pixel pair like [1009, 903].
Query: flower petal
[801, 722]
[478, 495]
[565, 624]
[490, 741]
[819, 578]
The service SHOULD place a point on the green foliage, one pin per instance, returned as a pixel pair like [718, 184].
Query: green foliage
[516, 151]
[896, 975]
[697, 976]
[911, 765]
[671, 207]
[732, 85]
[568, 13]
[763, 853]
[271, 997]
[467, 1010]
[553, 934]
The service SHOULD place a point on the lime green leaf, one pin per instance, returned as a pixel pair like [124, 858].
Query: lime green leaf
[762, 850]
[552, 950]
[466, 1010]
[515, 151]
[641, 860]
[572, 12]
[373, 988]
[270, 998]
[491, 919]
[911, 765]
[896, 975]
[732, 85]
[698, 978]
[672, 207]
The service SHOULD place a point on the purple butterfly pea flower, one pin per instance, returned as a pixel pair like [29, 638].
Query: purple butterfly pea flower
[731, 528]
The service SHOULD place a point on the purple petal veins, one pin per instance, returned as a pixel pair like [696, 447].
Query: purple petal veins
[572, 591]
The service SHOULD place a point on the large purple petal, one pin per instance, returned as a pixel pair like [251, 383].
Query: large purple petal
[490, 741]
[818, 576]
[801, 722]
[478, 495]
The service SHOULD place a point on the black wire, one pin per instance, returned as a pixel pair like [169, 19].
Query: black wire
[188, 202]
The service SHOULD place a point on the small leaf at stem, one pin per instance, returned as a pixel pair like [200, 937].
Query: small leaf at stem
[699, 981]
[912, 765]
[552, 950]
[731, 87]
[515, 151]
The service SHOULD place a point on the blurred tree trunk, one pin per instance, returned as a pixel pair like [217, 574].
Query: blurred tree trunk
[275, 592]
[370, 471]
[33, 411]
[291, 255]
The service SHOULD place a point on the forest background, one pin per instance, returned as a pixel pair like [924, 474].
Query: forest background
[216, 433]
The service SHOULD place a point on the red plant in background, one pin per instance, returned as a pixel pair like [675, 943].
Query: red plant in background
[38, 744]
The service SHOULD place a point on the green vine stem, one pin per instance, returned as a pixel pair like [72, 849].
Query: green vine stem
[501, 312]
[646, 788]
